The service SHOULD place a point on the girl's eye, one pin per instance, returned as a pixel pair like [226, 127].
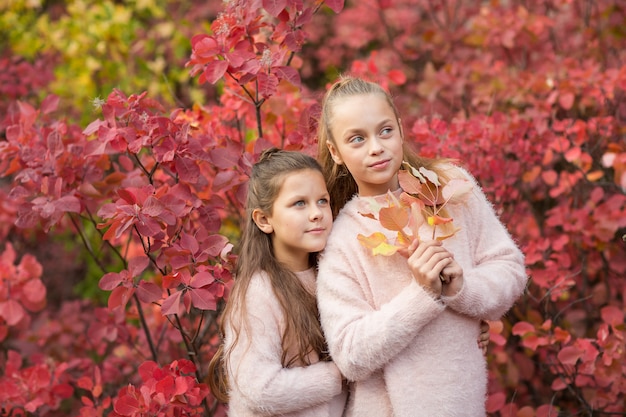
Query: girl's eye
[322, 201]
[356, 139]
[386, 131]
[299, 203]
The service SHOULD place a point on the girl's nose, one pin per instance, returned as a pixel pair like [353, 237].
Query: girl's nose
[316, 213]
[376, 146]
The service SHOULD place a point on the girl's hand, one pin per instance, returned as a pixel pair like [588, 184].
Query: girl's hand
[483, 338]
[427, 260]
[452, 278]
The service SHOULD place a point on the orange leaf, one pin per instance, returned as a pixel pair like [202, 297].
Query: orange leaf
[409, 183]
[595, 175]
[408, 199]
[416, 220]
[394, 218]
[530, 176]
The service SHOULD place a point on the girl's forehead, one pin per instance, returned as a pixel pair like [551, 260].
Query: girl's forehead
[368, 106]
[362, 102]
[294, 179]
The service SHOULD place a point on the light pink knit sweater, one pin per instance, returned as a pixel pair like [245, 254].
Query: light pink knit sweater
[408, 354]
[259, 384]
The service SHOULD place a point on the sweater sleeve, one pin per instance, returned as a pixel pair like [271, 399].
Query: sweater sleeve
[256, 370]
[360, 337]
[497, 276]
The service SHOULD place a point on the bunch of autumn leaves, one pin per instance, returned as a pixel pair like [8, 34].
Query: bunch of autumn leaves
[423, 200]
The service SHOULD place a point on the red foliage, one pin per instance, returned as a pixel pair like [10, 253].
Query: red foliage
[530, 97]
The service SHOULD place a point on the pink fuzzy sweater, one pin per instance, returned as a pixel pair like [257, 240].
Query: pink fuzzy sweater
[408, 354]
[259, 384]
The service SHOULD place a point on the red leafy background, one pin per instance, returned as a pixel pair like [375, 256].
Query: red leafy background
[529, 96]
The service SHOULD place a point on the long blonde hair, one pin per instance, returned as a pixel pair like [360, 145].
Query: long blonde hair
[299, 307]
[341, 185]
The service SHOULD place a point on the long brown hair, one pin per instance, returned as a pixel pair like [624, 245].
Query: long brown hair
[341, 185]
[299, 307]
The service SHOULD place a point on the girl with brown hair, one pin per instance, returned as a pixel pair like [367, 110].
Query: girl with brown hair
[273, 359]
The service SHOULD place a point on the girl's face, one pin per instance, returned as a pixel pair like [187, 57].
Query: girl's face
[301, 218]
[368, 140]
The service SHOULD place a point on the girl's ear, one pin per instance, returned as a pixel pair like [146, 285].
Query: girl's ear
[262, 221]
[334, 153]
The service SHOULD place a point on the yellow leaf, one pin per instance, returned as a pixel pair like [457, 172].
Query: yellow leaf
[372, 240]
[437, 220]
[403, 240]
[385, 249]
[377, 242]
[449, 235]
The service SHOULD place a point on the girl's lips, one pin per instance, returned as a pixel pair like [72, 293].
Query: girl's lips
[380, 164]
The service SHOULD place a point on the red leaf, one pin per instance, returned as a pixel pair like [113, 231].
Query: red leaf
[49, 104]
[569, 355]
[149, 292]
[85, 383]
[110, 281]
[289, 74]
[126, 406]
[189, 242]
[185, 366]
[147, 369]
[335, 5]
[172, 305]
[612, 315]
[566, 100]
[274, 7]
[397, 77]
[187, 169]
[128, 195]
[137, 264]
[182, 385]
[240, 55]
[119, 297]
[204, 46]
[203, 299]
[11, 311]
[152, 207]
[202, 279]
[225, 157]
[215, 70]
[268, 84]
[495, 402]
[522, 327]
[34, 292]
[165, 386]
[214, 244]
[92, 128]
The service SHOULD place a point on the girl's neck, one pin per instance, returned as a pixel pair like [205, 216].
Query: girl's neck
[295, 265]
[396, 192]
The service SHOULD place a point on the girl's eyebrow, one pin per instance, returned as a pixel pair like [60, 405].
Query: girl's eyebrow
[358, 130]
